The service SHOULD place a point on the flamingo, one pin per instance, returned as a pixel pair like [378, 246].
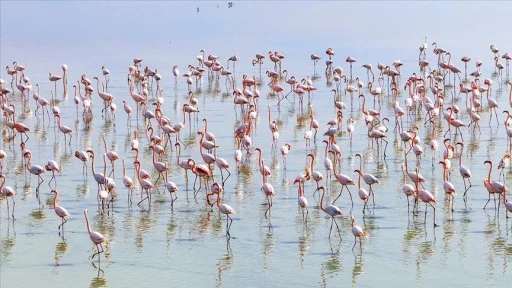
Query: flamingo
[146, 184]
[331, 210]
[285, 149]
[315, 59]
[207, 134]
[464, 171]
[408, 190]
[201, 171]
[222, 164]
[350, 60]
[59, 210]
[368, 178]
[52, 166]
[128, 183]
[161, 167]
[184, 164]
[493, 186]
[3, 155]
[508, 204]
[363, 194]
[34, 169]
[98, 177]
[265, 171]
[172, 188]
[223, 208]
[207, 157]
[344, 180]
[8, 191]
[84, 157]
[175, 73]
[448, 187]
[303, 202]
[18, 126]
[54, 78]
[64, 129]
[111, 155]
[426, 197]
[268, 190]
[127, 109]
[317, 176]
[96, 237]
[504, 162]
[357, 231]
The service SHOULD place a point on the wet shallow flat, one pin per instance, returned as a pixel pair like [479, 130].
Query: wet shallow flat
[187, 245]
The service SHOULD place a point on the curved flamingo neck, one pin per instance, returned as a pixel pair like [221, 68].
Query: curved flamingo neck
[312, 164]
[321, 199]
[87, 221]
[29, 162]
[260, 161]
[179, 154]
[460, 157]
[55, 199]
[153, 150]
[363, 109]
[104, 143]
[137, 169]
[201, 142]
[92, 164]
[218, 198]
[205, 125]
[124, 169]
[489, 174]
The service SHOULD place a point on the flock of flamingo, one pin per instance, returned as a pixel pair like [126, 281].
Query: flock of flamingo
[429, 103]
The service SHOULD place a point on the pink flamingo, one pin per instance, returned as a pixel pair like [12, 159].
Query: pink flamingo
[60, 211]
[464, 171]
[426, 197]
[128, 183]
[34, 169]
[303, 202]
[358, 232]
[52, 166]
[493, 186]
[331, 210]
[448, 187]
[8, 191]
[268, 189]
[96, 237]
[223, 208]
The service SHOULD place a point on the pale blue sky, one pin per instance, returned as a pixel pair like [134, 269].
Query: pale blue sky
[106, 32]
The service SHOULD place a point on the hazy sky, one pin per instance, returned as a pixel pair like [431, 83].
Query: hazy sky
[50, 33]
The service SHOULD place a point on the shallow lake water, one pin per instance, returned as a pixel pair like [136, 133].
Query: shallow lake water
[187, 245]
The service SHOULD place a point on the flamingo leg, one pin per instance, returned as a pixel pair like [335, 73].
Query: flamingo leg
[435, 225]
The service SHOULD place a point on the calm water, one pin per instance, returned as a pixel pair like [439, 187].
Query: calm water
[187, 245]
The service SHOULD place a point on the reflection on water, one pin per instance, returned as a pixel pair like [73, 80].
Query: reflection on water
[303, 248]
[8, 239]
[99, 280]
[224, 263]
[357, 269]
[61, 249]
[468, 237]
[333, 265]
[268, 244]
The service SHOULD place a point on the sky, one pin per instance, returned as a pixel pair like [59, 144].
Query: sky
[50, 33]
